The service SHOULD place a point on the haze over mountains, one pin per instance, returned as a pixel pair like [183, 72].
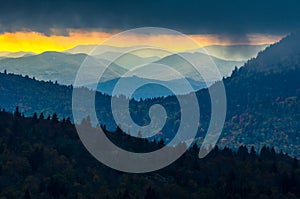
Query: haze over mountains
[234, 52]
[230, 52]
[151, 87]
[5, 54]
[63, 66]
[55, 66]
[114, 99]
[263, 105]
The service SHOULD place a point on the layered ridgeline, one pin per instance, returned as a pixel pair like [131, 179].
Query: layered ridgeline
[56, 66]
[63, 66]
[262, 97]
[44, 158]
[5, 54]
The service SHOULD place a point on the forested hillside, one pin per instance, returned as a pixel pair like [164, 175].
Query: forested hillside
[263, 106]
[44, 158]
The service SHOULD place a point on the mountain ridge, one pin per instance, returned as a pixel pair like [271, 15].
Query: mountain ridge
[261, 110]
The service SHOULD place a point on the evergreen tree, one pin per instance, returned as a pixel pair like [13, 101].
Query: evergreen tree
[41, 117]
[17, 113]
[68, 121]
[54, 118]
[34, 117]
[252, 152]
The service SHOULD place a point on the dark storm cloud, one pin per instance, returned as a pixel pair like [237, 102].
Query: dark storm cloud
[228, 17]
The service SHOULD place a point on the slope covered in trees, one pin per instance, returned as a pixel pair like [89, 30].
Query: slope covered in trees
[44, 158]
[262, 100]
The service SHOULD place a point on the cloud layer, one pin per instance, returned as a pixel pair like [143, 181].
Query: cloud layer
[231, 17]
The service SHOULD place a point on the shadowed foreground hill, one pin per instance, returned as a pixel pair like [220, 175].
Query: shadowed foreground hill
[44, 158]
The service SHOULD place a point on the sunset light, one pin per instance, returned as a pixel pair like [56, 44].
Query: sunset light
[38, 42]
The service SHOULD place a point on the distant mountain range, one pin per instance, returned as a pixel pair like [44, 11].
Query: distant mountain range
[234, 52]
[4, 54]
[152, 88]
[62, 67]
[56, 66]
[202, 62]
[262, 101]
[230, 52]
[225, 52]
[128, 60]
[88, 49]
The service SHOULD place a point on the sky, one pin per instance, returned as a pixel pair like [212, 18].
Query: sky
[39, 42]
[38, 26]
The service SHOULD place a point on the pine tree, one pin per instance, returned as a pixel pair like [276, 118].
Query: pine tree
[34, 117]
[68, 121]
[252, 152]
[41, 117]
[54, 118]
[17, 113]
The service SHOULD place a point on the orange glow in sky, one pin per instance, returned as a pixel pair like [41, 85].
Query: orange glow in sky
[38, 42]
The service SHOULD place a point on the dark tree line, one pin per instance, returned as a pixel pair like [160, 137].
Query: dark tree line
[44, 158]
